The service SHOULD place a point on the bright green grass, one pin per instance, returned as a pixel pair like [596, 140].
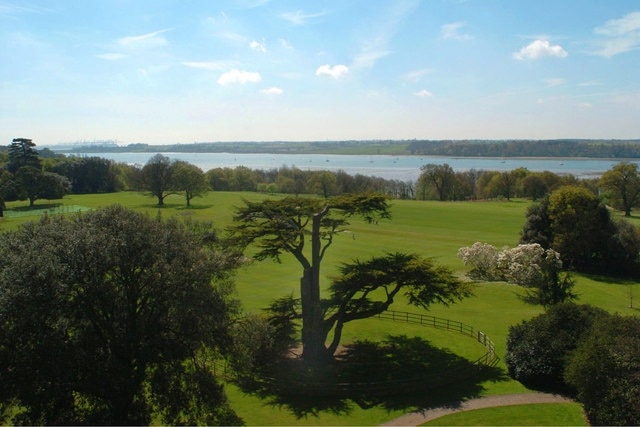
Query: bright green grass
[433, 229]
[545, 414]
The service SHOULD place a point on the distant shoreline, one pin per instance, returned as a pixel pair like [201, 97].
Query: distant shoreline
[513, 149]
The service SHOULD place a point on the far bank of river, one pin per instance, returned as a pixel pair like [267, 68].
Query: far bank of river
[403, 168]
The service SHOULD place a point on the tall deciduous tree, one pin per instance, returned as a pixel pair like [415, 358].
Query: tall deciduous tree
[573, 222]
[440, 177]
[190, 179]
[106, 319]
[286, 226]
[157, 175]
[623, 181]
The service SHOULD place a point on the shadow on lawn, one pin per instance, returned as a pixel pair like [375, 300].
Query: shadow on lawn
[399, 374]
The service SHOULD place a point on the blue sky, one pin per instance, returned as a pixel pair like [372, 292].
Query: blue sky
[162, 71]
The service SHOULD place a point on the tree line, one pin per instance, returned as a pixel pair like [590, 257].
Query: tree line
[32, 174]
[604, 149]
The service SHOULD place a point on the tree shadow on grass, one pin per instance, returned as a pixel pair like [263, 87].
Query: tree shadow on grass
[400, 373]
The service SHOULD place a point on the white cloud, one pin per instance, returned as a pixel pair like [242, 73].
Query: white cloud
[272, 91]
[336, 72]
[153, 39]
[113, 56]
[423, 93]
[300, 18]
[258, 47]
[539, 49]
[451, 31]
[622, 35]
[236, 76]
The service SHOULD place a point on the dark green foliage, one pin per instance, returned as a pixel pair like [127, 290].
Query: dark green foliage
[157, 177]
[573, 222]
[537, 349]
[367, 288]
[89, 174]
[108, 318]
[605, 371]
[22, 153]
[34, 184]
[537, 228]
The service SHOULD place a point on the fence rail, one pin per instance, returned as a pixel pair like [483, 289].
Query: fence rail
[491, 358]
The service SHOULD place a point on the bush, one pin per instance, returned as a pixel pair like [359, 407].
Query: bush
[605, 371]
[537, 349]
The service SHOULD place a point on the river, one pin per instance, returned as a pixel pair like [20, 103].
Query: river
[404, 168]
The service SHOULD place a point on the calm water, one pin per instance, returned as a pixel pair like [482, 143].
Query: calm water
[402, 168]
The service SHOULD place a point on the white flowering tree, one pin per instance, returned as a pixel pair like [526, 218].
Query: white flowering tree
[483, 260]
[531, 266]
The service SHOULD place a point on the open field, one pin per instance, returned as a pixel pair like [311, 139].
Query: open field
[434, 229]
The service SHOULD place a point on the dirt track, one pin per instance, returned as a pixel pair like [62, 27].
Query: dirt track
[422, 416]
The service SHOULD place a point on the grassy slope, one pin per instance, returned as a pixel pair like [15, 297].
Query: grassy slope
[547, 414]
[432, 229]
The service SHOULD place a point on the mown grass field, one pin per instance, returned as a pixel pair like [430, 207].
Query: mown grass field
[432, 229]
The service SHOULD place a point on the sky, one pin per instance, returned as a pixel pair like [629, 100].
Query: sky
[183, 71]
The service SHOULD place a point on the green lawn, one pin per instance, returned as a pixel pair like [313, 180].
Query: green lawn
[433, 229]
[545, 414]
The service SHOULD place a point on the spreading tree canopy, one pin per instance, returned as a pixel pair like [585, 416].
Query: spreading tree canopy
[107, 318]
[364, 289]
[286, 225]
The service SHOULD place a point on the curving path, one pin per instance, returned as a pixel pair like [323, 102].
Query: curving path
[424, 415]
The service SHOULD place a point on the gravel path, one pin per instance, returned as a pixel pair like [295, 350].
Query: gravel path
[422, 416]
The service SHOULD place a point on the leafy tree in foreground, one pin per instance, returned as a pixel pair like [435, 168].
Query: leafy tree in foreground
[537, 349]
[605, 371]
[283, 226]
[108, 318]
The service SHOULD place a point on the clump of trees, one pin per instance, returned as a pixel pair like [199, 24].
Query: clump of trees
[441, 182]
[531, 266]
[112, 318]
[575, 223]
[583, 351]
[24, 177]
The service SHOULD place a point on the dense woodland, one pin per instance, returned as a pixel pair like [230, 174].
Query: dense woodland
[623, 149]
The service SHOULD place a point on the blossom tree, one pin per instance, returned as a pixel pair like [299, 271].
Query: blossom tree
[531, 266]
